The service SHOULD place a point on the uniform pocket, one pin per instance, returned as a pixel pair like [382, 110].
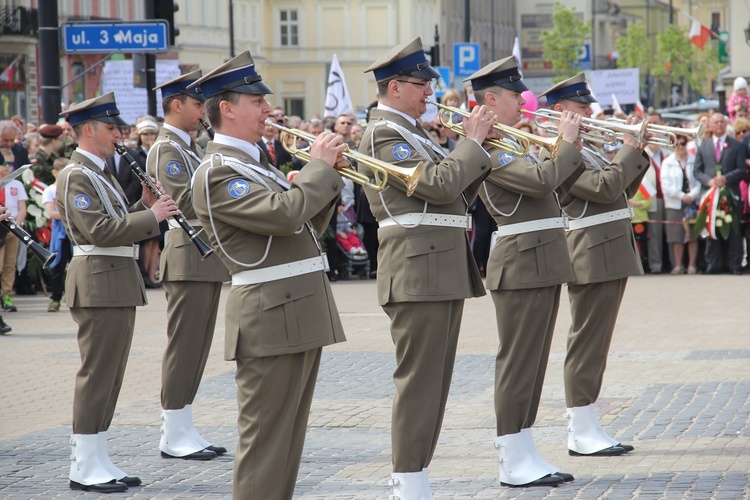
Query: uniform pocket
[283, 313]
[429, 260]
[536, 255]
[104, 277]
[606, 246]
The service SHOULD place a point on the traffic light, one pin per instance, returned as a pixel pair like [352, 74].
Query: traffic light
[165, 9]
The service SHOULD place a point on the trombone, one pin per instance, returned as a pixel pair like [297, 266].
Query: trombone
[380, 169]
[524, 139]
[591, 129]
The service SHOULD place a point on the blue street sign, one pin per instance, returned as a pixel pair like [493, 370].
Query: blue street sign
[584, 58]
[465, 59]
[105, 37]
[444, 82]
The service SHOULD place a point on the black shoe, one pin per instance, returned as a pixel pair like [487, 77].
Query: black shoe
[4, 327]
[548, 480]
[565, 476]
[219, 450]
[612, 451]
[151, 284]
[130, 481]
[628, 448]
[110, 487]
[198, 455]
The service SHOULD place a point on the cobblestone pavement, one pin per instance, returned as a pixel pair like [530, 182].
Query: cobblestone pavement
[677, 387]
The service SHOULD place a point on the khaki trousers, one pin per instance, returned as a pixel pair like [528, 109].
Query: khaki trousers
[191, 317]
[425, 335]
[593, 310]
[525, 324]
[274, 395]
[8, 257]
[104, 337]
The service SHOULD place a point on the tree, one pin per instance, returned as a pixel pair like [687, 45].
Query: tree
[680, 59]
[563, 43]
[633, 49]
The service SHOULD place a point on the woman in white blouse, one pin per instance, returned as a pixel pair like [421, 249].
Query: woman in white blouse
[681, 191]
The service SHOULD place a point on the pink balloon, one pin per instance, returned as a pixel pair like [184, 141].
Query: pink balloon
[532, 103]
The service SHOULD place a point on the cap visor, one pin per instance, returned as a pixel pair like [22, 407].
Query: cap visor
[253, 88]
[427, 73]
[115, 120]
[517, 86]
[584, 98]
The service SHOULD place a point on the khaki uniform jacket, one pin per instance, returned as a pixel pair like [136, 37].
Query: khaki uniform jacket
[180, 260]
[608, 251]
[426, 263]
[538, 258]
[285, 316]
[99, 280]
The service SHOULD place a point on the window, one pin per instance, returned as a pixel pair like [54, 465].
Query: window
[289, 28]
[294, 106]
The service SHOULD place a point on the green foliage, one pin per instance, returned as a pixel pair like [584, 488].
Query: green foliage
[563, 43]
[633, 49]
[679, 58]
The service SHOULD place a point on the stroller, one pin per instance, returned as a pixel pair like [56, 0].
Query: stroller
[353, 261]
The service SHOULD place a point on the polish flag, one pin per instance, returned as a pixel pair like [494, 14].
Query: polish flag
[646, 189]
[639, 108]
[699, 34]
[616, 105]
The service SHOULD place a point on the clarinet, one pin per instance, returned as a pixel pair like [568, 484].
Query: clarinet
[201, 245]
[208, 128]
[44, 255]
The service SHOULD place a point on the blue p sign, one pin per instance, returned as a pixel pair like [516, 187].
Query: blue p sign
[465, 59]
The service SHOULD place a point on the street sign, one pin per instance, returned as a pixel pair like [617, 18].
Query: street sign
[584, 58]
[106, 37]
[444, 82]
[465, 59]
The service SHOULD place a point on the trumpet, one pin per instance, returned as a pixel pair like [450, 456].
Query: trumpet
[591, 129]
[524, 139]
[663, 135]
[380, 169]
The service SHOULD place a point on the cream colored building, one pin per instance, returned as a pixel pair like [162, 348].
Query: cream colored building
[293, 41]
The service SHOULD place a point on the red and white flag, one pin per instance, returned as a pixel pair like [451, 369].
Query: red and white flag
[646, 189]
[639, 108]
[7, 75]
[698, 34]
[616, 105]
[710, 201]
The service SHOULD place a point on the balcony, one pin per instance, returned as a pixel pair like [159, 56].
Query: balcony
[18, 21]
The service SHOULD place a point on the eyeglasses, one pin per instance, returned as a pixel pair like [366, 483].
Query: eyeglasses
[682, 143]
[424, 84]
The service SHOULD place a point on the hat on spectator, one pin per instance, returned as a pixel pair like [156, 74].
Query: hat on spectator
[146, 126]
[180, 84]
[407, 59]
[236, 75]
[740, 83]
[574, 88]
[102, 109]
[50, 131]
[503, 73]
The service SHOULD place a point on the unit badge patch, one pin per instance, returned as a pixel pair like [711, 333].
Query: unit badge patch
[173, 168]
[81, 202]
[238, 188]
[504, 158]
[401, 151]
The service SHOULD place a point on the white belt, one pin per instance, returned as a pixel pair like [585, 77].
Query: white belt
[84, 250]
[418, 219]
[595, 220]
[273, 273]
[530, 226]
[173, 224]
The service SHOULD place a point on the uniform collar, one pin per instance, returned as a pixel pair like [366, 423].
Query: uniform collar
[244, 146]
[383, 107]
[95, 159]
[179, 133]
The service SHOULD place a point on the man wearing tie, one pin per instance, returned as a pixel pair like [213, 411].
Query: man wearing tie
[192, 286]
[121, 171]
[271, 146]
[721, 162]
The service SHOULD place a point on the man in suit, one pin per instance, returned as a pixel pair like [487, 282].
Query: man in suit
[273, 149]
[9, 131]
[526, 269]
[280, 310]
[192, 286]
[720, 162]
[103, 285]
[124, 175]
[603, 253]
[425, 266]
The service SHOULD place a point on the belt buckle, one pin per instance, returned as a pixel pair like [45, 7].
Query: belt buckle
[469, 222]
[136, 251]
[323, 256]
